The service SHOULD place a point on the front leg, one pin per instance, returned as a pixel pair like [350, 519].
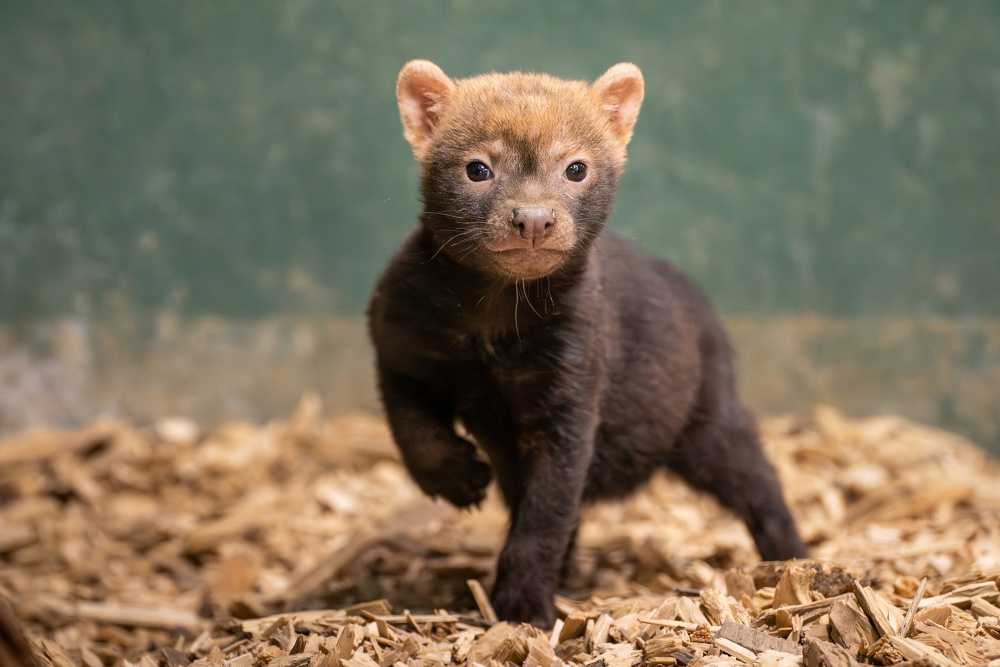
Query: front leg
[544, 518]
[421, 418]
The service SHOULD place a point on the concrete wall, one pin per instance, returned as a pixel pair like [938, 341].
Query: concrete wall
[186, 185]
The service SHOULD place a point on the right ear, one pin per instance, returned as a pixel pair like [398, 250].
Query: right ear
[422, 90]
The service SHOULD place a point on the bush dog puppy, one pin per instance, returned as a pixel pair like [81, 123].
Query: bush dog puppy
[576, 364]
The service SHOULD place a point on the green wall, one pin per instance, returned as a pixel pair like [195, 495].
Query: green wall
[240, 162]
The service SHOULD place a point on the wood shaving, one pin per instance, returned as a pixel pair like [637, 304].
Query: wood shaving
[304, 544]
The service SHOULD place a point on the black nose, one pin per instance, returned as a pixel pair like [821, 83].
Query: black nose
[532, 222]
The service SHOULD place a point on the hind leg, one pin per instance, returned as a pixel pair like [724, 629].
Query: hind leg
[725, 459]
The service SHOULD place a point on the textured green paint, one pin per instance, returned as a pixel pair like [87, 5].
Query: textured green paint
[243, 158]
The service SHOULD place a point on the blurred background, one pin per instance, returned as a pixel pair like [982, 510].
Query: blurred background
[197, 197]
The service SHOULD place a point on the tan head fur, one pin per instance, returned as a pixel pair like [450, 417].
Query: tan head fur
[425, 94]
[528, 164]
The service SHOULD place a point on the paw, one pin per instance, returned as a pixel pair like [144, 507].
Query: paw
[456, 475]
[777, 537]
[524, 603]
[784, 546]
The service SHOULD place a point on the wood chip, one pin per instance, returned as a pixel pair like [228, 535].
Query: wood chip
[754, 640]
[736, 650]
[824, 654]
[886, 618]
[907, 625]
[14, 648]
[851, 627]
[141, 546]
[482, 600]
[911, 649]
[137, 616]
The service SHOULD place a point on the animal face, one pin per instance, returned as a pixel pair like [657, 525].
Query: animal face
[519, 170]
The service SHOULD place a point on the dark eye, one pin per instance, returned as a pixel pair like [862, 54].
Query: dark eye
[576, 172]
[477, 171]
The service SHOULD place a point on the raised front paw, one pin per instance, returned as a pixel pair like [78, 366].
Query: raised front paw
[454, 473]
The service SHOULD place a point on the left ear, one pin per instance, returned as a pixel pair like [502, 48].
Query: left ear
[619, 91]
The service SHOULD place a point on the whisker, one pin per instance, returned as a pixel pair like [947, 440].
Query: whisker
[473, 235]
[517, 299]
[524, 286]
[468, 252]
[442, 247]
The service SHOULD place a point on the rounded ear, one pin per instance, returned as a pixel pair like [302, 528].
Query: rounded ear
[619, 91]
[422, 90]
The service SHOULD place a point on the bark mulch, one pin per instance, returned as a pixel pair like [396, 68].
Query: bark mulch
[304, 543]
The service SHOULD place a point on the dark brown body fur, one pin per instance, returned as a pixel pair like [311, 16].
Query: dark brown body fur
[578, 365]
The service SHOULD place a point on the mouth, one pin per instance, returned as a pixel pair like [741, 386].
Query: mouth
[524, 262]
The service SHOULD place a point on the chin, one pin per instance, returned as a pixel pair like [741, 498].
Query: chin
[528, 264]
